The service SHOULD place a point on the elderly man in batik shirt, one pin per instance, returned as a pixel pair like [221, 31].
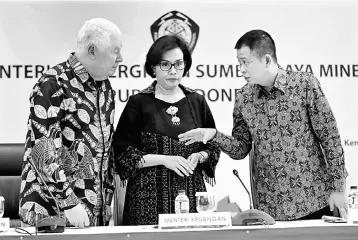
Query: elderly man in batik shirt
[70, 130]
[298, 165]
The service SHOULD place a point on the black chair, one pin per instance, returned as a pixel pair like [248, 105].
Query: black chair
[11, 158]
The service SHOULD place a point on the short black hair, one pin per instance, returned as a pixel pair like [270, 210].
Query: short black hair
[163, 45]
[259, 41]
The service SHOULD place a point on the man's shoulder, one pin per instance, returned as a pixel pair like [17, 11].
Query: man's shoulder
[299, 77]
[58, 69]
[57, 73]
[244, 95]
[246, 90]
[46, 82]
[52, 79]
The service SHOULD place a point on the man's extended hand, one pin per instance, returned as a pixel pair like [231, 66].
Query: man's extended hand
[108, 213]
[197, 135]
[77, 216]
[340, 200]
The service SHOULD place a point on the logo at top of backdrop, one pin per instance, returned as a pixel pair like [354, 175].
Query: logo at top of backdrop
[175, 22]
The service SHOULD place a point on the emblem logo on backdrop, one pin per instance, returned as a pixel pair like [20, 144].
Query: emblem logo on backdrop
[175, 22]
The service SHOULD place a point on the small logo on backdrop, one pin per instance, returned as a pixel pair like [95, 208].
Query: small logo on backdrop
[175, 22]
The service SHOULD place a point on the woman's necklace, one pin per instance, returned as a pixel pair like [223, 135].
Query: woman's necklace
[172, 110]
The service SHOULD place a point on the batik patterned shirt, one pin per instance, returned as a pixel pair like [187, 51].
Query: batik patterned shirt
[70, 130]
[298, 159]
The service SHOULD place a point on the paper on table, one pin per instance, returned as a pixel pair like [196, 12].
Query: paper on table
[332, 219]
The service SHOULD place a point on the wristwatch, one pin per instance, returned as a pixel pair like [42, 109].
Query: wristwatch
[201, 160]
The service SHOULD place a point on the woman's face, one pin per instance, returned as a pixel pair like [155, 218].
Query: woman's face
[169, 71]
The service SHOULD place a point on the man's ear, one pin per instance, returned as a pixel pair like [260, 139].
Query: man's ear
[268, 60]
[91, 51]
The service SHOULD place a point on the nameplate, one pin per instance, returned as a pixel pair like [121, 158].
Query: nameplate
[192, 220]
[4, 224]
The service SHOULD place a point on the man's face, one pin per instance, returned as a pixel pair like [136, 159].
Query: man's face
[108, 58]
[252, 67]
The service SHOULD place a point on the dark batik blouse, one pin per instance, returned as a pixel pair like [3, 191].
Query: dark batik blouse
[146, 128]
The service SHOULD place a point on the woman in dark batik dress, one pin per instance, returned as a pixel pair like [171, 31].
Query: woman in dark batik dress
[150, 160]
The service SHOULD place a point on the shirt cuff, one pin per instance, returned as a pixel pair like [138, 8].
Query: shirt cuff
[339, 185]
[337, 182]
[216, 139]
[69, 202]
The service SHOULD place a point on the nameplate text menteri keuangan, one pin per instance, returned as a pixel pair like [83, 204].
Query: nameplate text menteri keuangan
[192, 220]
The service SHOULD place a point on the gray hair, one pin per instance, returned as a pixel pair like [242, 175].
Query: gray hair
[96, 31]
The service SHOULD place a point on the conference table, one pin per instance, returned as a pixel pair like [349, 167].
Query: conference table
[306, 230]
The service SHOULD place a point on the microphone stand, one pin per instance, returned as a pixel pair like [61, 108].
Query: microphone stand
[251, 216]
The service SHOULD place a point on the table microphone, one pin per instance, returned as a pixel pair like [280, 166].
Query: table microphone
[251, 216]
[53, 224]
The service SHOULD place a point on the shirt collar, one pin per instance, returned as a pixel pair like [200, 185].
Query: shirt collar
[151, 89]
[280, 82]
[281, 79]
[78, 68]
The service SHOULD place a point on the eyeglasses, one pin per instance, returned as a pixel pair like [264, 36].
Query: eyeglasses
[166, 65]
